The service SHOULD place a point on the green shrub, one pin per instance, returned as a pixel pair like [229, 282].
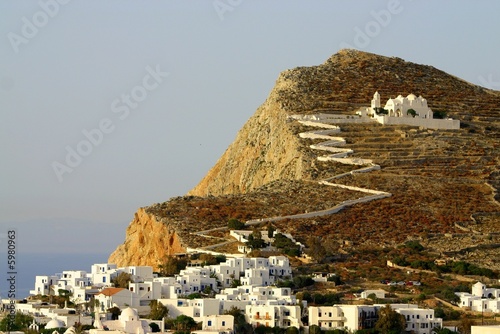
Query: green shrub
[235, 224]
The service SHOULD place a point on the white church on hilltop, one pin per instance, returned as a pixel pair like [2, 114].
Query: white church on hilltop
[410, 110]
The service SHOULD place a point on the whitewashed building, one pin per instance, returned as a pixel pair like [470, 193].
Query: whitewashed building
[485, 330]
[481, 299]
[119, 297]
[169, 287]
[409, 110]
[273, 315]
[378, 293]
[217, 324]
[420, 321]
[196, 279]
[103, 273]
[43, 285]
[70, 279]
[147, 291]
[128, 322]
[350, 317]
[194, 308]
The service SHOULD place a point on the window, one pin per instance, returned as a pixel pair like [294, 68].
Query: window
[210, 322]
[223, 323]
[104, 279]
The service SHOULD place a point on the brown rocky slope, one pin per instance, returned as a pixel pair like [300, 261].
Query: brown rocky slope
[461, 165]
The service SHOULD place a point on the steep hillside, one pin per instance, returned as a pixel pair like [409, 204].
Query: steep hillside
[266, 150]
[440, 183]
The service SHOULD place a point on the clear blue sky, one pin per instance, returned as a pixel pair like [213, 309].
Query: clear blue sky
[82, 65]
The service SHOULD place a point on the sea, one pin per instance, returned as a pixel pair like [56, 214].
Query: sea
[29, 265]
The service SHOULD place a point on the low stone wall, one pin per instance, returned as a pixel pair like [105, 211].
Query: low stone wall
[443, 124]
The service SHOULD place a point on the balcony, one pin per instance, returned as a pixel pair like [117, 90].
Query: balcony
[262, 317]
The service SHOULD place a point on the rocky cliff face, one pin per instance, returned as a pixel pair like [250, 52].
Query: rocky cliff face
[148, 241]
[268, 149]
[264, 150]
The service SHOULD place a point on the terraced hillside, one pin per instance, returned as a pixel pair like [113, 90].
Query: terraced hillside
[443, 183]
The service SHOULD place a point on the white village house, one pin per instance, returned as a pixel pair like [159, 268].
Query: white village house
[481, 299]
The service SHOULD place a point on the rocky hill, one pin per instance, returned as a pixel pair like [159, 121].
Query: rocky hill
[437, 178]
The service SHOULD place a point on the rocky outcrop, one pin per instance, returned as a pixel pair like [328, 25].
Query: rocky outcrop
[147, 242]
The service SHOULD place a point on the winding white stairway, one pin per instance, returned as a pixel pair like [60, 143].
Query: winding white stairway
[338, 154]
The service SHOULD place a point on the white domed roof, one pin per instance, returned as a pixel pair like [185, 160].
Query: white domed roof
[129, 313]
[54, 323]
[411, 96]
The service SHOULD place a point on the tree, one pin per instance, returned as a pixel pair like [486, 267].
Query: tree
[412, 112]
[235, 283]
[154, 327]
[115, 312]
[270, 231]
[171, 266]
[438, 114]
[65, 294]
[465, 324]
[335, 279]
[235, 224]
[184, 323]
[263, 329]
[20, 322]
[157, 310]
[286, 245]
[314, 329]
[208, 259]
[240, 323]
[207, 290]
[390, 321]
[255, 240]
[220, 258]
[381, 111]
[414, 245]
[122, 280]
